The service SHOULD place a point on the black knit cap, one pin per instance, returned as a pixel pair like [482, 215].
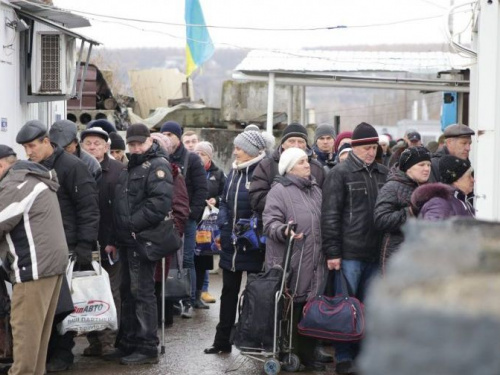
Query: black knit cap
[364, 134]
[294, 130]
[117, 142]
[452, 168]
[412, 156]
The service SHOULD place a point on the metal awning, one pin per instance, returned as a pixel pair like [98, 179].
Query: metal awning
[51, 13]
[56, 26]
[358, 69]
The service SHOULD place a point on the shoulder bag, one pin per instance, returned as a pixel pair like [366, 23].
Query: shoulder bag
[158, 242]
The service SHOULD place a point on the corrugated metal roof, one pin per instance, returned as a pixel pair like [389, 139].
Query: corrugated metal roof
[308, 61]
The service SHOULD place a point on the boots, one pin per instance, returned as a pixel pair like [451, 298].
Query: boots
[198, 303]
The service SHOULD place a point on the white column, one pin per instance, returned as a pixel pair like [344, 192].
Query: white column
[485, 111]
[270, 103]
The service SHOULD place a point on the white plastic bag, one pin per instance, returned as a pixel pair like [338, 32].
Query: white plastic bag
[209, 210]
[95, 308]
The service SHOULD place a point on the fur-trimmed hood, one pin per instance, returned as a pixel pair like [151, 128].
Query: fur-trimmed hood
[426, 192]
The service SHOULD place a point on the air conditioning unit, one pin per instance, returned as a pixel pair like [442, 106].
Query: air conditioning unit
[52, 63]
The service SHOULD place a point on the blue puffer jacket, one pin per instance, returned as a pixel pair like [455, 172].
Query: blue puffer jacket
[235, 199]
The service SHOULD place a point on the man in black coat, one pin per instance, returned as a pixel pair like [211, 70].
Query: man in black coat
[350, 240]
[143, 198]
[196, 182]
[78, 201]
[95, 142]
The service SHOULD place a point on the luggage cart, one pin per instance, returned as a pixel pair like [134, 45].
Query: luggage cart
[281, 356]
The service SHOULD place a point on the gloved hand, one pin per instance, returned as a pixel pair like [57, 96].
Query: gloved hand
[83, 254]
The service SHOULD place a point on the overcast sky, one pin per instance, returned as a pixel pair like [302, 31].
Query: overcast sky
[360, 16]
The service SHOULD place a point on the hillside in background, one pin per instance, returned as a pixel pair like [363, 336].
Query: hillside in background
[384, 107]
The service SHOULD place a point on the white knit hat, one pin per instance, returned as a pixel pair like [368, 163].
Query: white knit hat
[289, 158]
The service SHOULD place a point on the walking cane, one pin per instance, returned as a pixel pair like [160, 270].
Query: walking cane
[162, 350]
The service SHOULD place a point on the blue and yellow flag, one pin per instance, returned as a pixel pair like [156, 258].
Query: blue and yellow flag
[199, 47]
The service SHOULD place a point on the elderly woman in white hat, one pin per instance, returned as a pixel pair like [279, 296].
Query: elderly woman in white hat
[296, 197]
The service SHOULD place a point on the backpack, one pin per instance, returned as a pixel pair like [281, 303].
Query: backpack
[255, 326]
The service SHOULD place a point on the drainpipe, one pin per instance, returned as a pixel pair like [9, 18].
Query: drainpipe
[270, 103]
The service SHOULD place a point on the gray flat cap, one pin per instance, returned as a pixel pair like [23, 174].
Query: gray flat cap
[63, 132]
[30, 131]
[458, 130]
[6, 151]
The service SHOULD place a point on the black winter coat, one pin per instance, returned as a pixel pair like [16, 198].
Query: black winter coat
[143, 195]
[216, 179]
[235, 199]
[195, 178]
[392, 210]
[349, 196]
[78, 198]
[111, 170]
[266, 172]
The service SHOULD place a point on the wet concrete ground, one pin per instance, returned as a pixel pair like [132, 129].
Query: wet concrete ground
[184, 344]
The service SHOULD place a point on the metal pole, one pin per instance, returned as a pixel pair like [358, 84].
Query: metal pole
[162, 350]
[270, 103]
[303, 105]
[289, 115]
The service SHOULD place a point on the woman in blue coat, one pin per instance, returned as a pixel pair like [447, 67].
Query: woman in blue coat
[249, 150]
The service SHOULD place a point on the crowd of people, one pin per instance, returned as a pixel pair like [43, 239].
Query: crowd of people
[348, 195]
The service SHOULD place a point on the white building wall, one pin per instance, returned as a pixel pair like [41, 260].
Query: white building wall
[13, 113]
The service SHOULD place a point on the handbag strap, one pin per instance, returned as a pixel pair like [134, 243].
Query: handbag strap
[343, 283]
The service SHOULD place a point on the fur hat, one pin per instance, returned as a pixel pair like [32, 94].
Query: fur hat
[412, 156]
[206, 148]
[289, 158]
[103, 124]
[364, 134]
[452, 168]
[251, 141]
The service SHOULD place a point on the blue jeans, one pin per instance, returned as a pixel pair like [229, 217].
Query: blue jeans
[188, 260]
[358, 275]
[206, 281]
[139, 313]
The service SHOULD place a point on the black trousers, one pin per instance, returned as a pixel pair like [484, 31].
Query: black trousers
[231, 284]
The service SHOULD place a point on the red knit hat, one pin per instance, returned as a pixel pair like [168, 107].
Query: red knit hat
[340, 137]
